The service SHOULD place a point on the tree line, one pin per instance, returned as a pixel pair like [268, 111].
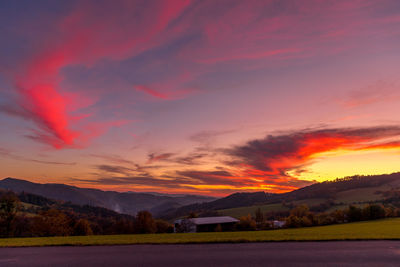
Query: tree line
[28, 215]
[18, 219]
[302, 216]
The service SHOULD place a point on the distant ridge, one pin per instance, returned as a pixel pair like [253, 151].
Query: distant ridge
[128, 203]
[328, 191]
[173, 206]
[232, 201]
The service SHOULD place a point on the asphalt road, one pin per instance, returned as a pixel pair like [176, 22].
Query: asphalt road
[352, 253]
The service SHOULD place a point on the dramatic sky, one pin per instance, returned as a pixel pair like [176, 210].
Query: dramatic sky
[204, 97]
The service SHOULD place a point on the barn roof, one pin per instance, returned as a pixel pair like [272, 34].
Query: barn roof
[213, 220]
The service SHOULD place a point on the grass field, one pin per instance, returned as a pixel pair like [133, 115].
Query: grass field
[353, 197]
[243, 211]
[361, 195]
[380, 229]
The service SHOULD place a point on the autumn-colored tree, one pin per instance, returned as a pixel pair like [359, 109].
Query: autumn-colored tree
[22, 226]
[82, 227]
[145, 223]
[192, 215]
[373, 212]
[9, 206]
[301, 216]
[338, 216]
[300, 211]
[390, 211]
[259, 216]
[293, 221]
[246, 223]
[354, 214]
[163, 226]
[52, 223]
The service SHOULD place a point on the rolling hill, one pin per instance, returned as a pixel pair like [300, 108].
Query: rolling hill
[325, 196]
[128, 203]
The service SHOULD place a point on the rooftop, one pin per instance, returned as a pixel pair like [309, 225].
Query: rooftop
[212, 220]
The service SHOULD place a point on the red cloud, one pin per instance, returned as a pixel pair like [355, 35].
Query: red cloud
[207, 32]
[86, 36]
[46, 104]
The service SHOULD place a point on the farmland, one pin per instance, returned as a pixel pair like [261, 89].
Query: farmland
[369, 230]
[242, 211]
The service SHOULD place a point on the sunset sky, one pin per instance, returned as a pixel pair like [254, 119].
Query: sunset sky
[201, 97]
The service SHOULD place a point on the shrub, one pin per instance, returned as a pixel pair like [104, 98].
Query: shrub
[246, 223]
[373, 212]
[163, 226]
[82, 227]
[145, 223]
[354, 214]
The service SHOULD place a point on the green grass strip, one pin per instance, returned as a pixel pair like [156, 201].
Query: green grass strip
[372, 230]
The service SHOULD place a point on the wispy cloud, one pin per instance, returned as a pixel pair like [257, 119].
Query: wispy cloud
[163, 95]
[212, 178]
[207, 137]
[380, 91]
[9, 154]
[189, 159]
[274, 163]
[171, 88]
[153, 157]
[114, 169]
[237, 35]
[85, 36]
[112, 158]
[134, 181]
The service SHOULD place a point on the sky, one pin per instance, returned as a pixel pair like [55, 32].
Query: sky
[199, 97]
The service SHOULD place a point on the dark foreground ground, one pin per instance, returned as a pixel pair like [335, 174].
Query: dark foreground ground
[352, 253]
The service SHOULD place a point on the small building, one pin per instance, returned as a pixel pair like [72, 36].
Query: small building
[278, 224]
[205, 224]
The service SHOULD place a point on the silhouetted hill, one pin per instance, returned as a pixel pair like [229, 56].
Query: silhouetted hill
[330, 189]
[231, 201]
[42, 203]
[128, 203]
[342, 191]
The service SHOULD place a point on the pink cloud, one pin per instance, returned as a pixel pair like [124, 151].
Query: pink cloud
[256, 33]
[86, 36]
[380, 91]
[251, 56]
[164, 96]
[152, 92]
[264, 31]
[172, 88]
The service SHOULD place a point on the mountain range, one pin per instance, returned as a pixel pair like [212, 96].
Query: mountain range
[336, 194]
[320, 197]
[127, 203]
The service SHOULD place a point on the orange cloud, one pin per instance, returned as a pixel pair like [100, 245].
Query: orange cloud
[269, 160]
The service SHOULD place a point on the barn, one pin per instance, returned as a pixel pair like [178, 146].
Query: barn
[205, 224]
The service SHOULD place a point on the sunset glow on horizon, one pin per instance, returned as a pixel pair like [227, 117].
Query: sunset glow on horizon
[199, 97]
